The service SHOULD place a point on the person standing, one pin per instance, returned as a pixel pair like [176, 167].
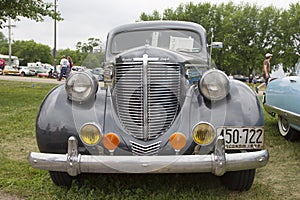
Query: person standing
[2, 63]
[64, 65]
[70, 62]
[265, 71]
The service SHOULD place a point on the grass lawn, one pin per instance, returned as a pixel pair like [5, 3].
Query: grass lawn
[280, 179]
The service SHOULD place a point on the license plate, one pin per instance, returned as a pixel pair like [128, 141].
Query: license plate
[242, 137]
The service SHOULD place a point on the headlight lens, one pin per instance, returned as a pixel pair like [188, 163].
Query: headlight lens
[203, 133]
[81, 86]
[214, 85]
[90, 134]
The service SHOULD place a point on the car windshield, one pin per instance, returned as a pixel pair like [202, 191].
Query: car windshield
[176, 40]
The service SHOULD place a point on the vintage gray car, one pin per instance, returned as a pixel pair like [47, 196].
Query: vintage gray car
[149, 117]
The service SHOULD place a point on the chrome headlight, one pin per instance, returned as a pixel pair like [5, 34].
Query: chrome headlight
[214, 85]
[81, 86]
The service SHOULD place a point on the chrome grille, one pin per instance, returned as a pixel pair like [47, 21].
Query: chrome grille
[146, 95]
[146, 150]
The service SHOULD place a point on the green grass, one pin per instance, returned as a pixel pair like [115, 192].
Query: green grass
[280, 179]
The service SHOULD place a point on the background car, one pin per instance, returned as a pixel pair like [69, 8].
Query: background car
[241, 77]
[10, 70]
[27, 71]
[98, 73]
[154, 113]
[282, 99]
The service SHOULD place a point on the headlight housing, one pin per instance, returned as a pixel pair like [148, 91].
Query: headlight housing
[214, 85]
[81, 86]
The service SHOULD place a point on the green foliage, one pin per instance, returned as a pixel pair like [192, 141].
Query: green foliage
[93, 60]
[74, 54]
[3, 44]
[31, 9]
[89, 46]
[247, 31]
[30, 51]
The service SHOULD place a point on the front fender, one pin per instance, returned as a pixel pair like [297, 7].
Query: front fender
[59, 118]
[240, 108]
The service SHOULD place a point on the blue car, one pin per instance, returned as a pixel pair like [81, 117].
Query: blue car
[282, 98]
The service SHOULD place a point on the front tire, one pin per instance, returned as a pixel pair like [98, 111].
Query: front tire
[61, 178]
[286, 130]
[238, 180]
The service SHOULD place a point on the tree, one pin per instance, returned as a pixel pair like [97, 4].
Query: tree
[89, 46]
[30, 51]
[32, 9]
[288, 46]
[246, 30]
[90, 53]
[3, 44]
[93, 60]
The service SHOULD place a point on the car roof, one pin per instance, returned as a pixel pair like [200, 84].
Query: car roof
[144, 25]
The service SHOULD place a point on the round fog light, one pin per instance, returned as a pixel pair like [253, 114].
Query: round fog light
[177, 141]
[90, 134]
[111, 141]
[203, 133]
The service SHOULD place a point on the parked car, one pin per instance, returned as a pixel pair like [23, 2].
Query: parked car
[40, 69]
[282, 99]
[11, 70]
[26, 71]
[241, 77]
[78, 68]
[148, 117]
[98, 73]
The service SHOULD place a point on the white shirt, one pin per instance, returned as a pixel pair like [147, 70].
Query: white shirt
[64, 62]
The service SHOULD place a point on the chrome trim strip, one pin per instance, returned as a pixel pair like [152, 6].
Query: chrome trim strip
[292, 117]
[217, 163]
[145, 95]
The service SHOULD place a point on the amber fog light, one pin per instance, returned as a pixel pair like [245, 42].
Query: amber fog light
[203, 133]
[177, 141]
[90, 134]
[111, 141]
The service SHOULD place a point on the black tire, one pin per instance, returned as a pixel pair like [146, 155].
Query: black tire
[238, 180]
[22, 74]
[286, 130]
[61, 178]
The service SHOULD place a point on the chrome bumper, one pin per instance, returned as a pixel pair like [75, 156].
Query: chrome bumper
[217, 163]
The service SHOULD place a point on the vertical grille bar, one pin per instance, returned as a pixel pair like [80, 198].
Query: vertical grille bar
[147, 96]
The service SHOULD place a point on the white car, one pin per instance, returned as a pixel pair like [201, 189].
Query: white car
[26, 71]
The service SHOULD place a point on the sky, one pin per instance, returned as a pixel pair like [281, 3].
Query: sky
[95, 18]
